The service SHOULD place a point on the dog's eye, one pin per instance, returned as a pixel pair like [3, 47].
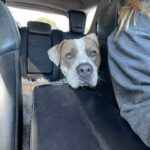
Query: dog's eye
[68, 56]
[93, 53]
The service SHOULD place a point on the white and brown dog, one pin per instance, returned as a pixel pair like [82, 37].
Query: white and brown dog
[79, 60]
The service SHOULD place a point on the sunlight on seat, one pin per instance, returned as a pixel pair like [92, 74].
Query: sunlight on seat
[4, 97]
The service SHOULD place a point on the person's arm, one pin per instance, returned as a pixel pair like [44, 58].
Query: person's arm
[129, 63]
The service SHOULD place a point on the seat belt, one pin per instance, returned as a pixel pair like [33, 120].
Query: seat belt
[100, 6]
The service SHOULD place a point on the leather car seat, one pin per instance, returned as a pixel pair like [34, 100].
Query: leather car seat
[10, 95]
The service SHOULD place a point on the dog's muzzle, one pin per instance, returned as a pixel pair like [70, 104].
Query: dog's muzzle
[84, 70]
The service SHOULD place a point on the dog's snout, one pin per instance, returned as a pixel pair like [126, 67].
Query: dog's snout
[84, 70]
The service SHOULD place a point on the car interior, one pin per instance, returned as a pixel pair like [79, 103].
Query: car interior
[62, 118]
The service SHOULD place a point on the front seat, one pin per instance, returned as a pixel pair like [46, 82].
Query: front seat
[10, 102]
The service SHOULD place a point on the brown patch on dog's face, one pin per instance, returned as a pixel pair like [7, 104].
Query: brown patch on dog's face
[68, 53]
[92, 50]
[71, 54]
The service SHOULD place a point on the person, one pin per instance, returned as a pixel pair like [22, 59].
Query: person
[129, 64]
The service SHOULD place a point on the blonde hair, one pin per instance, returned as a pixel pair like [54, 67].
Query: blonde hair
[130, 9]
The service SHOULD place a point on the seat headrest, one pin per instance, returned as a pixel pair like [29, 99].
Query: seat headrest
[9, 33]
[107, 22]
[39, 28]
[77, 20]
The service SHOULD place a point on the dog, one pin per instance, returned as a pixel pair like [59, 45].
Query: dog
[79, 60]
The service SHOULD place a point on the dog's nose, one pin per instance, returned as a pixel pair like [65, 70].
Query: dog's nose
[84, 70]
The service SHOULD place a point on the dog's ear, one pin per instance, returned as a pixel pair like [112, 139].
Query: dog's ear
[54, 54]
[94, 37]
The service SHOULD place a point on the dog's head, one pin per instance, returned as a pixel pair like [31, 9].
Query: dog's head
[79, 60]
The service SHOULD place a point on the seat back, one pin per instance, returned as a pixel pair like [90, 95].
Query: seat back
[10, 97]
[36, 40]
[57, 38]
[107, 22]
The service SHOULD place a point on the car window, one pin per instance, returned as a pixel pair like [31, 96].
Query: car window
[90, 17]
[22, 16]
[57, 21]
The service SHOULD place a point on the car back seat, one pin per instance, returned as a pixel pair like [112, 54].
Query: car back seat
[36, 40]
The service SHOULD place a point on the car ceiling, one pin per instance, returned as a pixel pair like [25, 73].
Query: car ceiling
[59, 6]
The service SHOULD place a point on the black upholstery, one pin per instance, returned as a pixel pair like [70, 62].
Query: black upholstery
[59, 122]
[70, 35]
[39, 42]
[106, 24]
[10, 96]
[57, 38]
[36, 40]
[39, 28]
[23, 52]
[77, 20]
[78, 119]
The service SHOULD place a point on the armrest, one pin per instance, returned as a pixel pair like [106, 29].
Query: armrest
[65, 119]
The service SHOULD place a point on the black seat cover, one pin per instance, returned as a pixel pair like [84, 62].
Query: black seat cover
[36, 40]
[77, 20]
[78, 119]
[57, 38]
[10, 97]
[58, 122]
[107, 22]
[39, 41]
